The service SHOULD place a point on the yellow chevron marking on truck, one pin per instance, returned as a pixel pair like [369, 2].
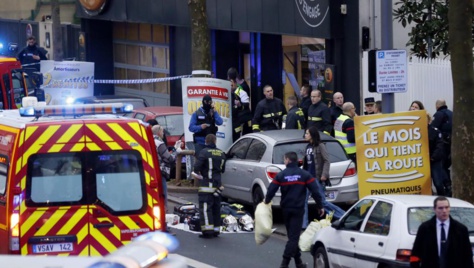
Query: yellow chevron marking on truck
[147, 218]
[83, 233]
[42, 139]
[104, 241]
[31, 220]
[68, 134]
[66, 229]
[99, 132]
[53, 220]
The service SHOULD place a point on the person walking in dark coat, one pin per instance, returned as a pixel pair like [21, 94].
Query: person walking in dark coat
[295, 118]
[441, 241]
[294, 183]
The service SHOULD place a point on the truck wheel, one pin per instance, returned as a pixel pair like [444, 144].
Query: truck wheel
[321, 258]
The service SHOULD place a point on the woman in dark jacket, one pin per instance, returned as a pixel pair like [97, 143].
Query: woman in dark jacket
[316, 162]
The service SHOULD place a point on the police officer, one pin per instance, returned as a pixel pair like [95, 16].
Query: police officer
[344, 130]
[319, 114]
[210, 166]
[32, 54]
[295, 117]
[293, 182]
[204, 122]
[369, 104]
[269, 112]
[241, 114]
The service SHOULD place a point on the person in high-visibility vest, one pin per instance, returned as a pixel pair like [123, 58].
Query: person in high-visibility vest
[344, 130]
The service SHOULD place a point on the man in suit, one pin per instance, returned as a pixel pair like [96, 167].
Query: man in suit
[442, 241]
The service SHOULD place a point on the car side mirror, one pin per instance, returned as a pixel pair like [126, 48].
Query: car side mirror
[229, 155]
[337, 225]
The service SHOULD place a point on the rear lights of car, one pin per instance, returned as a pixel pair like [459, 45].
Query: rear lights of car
[351, 170]
[403, 255]
[271, 172]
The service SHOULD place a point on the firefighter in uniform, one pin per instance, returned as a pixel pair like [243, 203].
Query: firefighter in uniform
[210, 166]
[294, 183]
[319, 114]
[344, 130]
[241, 114]
[295, 117]
[204, 122]
[269, 112]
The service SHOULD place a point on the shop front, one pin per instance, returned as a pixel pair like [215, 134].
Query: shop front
[283, 43]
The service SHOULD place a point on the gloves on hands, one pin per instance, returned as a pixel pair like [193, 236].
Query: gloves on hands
[177, 146]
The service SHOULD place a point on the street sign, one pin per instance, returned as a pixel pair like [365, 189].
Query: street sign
[388, 71]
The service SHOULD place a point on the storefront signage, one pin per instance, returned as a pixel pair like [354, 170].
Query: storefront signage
[194, 89]
[313, 12]
[393, 154]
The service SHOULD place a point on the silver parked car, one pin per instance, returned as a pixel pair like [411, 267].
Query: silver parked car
[255, 159]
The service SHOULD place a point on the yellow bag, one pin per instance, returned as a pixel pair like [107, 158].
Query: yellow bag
[306, 238]
[263, 222]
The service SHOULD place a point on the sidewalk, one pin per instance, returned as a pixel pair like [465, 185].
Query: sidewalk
[182, 195]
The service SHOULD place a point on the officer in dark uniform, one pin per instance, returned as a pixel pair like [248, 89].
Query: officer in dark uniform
[295, 117]
[204, 122]
[319, 114]
[305, 99]
[241, 114]
[32, 54]
[269, 112]
[369, 104]
[437, 157]
[294, 183]
[210, 166]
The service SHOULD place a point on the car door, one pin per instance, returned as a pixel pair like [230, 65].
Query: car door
[233, 171]
[342, 247]
[373, 240]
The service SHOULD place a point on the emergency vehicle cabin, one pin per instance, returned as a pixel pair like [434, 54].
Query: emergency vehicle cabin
[76, 180]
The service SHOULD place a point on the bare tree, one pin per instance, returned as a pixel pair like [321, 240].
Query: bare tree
[200, 36]
[57, 33]
[460, 41]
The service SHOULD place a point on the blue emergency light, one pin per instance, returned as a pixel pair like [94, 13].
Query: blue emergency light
[76, 109]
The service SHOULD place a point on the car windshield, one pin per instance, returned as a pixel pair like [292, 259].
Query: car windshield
[172, 123]
[335, 151]
[418, 215]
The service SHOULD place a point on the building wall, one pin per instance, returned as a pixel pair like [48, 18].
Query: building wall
[17, 9]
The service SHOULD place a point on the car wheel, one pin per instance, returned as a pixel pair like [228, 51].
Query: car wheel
[257, 197]
[321, 258]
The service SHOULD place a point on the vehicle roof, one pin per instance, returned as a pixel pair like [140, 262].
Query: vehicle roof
[110, 97]
[286, 135]
[420, 200]
[160, 110]
[12, 118]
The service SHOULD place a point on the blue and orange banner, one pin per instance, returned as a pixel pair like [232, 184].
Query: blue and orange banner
[393, 153]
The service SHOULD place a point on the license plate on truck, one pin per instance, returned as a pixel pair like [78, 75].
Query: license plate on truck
[53, 247]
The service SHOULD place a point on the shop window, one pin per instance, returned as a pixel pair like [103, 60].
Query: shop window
[146, 86]
[161, 87]
[145, 32]
[133, 55]
[160, 34]
[160, 57]
[146, 57]
[120, 28]
[120, 53]
[132, 32]
[133, 74]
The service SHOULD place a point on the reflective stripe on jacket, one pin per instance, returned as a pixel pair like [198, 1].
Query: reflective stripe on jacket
[342, 136]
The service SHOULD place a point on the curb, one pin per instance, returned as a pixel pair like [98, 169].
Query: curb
[181, 189]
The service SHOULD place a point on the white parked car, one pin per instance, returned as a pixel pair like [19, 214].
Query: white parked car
[379, 231]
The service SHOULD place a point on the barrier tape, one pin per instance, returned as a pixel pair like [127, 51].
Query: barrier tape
[104, 81]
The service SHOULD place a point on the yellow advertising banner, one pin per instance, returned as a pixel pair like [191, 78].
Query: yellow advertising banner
[393, 153]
